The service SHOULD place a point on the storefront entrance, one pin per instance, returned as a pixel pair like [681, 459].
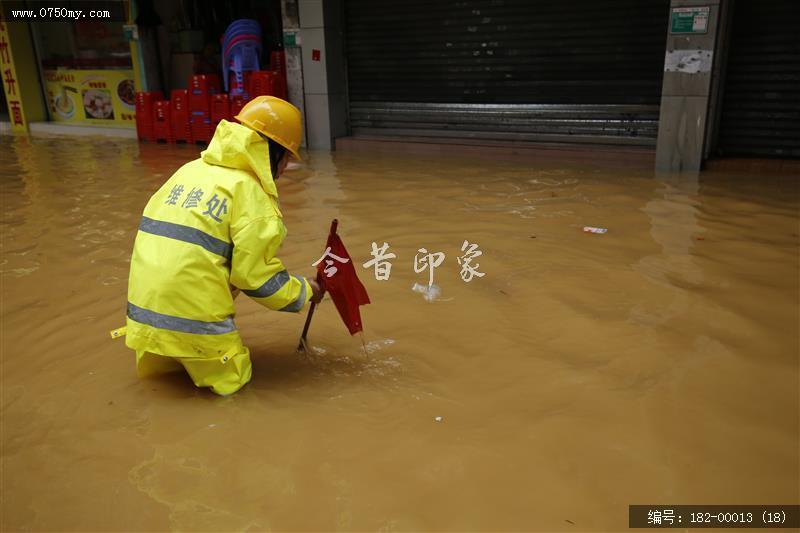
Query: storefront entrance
[86, 70]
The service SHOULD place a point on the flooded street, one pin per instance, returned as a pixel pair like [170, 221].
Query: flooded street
[656, 363]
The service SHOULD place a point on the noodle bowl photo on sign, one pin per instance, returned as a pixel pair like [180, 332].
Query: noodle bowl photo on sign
[64, 105]
[126, 93]
[97, 104]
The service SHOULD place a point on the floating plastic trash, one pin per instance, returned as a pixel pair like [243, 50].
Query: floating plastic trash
[429, 292]
[591, 229]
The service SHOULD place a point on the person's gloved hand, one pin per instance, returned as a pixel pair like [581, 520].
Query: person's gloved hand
[317, 291]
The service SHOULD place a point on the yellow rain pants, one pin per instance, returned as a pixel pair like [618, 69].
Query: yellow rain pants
[223, 378]
[212, 228]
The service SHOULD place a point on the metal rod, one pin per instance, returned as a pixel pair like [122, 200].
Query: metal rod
[301, 347]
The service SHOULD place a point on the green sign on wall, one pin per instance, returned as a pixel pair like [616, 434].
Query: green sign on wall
[291, 39]
[689, 19]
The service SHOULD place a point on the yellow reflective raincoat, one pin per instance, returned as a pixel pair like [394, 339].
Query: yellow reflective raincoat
[213, 227]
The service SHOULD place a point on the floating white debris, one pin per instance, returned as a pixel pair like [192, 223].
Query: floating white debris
[439, 418]
[429, 292]
[591, 229]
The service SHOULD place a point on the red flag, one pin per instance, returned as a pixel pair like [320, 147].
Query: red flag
[340, 280]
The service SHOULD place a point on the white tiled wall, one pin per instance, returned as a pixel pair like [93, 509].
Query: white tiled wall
[318, 129]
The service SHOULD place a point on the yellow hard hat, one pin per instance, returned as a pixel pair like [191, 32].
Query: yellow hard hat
[275, 118]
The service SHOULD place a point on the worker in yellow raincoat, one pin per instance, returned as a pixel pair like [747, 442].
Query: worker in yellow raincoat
[212, 229]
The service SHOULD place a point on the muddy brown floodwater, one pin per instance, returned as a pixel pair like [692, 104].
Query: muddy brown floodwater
[657, 363]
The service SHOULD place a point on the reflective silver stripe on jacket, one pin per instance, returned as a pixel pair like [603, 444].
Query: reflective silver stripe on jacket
[297, 305]
[174, 323]
[187, 234]
[270, 287]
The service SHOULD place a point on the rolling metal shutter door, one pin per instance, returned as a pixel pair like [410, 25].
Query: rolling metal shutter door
[577, 71]
[761, 99]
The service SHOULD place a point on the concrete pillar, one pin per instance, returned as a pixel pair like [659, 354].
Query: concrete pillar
[314, 59]
[290, 14]
[321, 76]
[686, 89]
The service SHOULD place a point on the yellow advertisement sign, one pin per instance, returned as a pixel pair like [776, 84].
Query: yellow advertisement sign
[8, 75]
[101, 97]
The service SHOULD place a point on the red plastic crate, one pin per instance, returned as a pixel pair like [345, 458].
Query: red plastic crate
[201, 127]
[269, 82]
[220, 109]
[162, 131]
[237, 103]
[144, 100]
[207, 83]
[144, 114]
[277, 62]
[247, 89]
[200, 102]
[248, 84]
[179, 116]
[201, 87]
[144, 128]
[264, 82]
